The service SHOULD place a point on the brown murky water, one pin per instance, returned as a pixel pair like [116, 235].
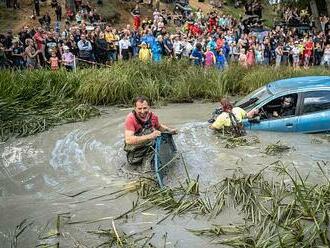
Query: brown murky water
[37, 173]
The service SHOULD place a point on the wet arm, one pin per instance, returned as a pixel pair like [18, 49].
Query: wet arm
[132, 139]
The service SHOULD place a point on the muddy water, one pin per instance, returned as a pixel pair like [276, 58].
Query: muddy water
[38, 175]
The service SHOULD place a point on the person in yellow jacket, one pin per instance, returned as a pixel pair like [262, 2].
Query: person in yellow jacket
[144, 53]
[231, 118]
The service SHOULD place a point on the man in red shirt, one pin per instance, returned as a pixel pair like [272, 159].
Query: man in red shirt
[142, 127]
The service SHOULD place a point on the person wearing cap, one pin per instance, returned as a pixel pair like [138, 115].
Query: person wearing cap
[295, 55]
[67, 58]
[145, 53]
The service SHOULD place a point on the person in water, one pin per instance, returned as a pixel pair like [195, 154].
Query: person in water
[230, 119]
[142, 127]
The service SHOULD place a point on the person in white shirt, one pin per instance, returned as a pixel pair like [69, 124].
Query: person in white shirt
[177, 47]
[326, 56]
[85, 48]
[124, 45]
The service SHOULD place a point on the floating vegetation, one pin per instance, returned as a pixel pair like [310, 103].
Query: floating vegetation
[316, 141]
[277, 148]
[19, 230]
[277, 214]
[19, 119]
[232, 142]
[116, 238]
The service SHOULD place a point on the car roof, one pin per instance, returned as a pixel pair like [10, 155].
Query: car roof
[299, 84]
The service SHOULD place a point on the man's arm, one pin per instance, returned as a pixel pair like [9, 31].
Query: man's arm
[132, 139]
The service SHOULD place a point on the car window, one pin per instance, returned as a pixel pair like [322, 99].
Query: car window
[280, 107]
[316, 101]
[253, 98]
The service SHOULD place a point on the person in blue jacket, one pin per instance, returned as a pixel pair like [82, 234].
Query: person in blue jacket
[157, 49]
[197, 55]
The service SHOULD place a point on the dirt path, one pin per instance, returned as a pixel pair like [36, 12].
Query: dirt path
[204, 6]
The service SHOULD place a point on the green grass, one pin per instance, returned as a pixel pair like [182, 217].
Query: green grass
[234, 12]
[7, 18]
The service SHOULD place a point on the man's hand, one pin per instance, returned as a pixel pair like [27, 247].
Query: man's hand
[155, 134]
[173, 131]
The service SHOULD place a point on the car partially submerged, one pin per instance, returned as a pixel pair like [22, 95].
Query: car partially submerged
[307, 112]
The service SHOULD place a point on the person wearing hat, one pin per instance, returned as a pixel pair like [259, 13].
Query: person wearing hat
[67, 58]
[144, 53]
[295, 55]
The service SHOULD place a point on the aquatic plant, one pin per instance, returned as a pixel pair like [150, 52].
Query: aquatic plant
[277, 148]
[34, 102]
[277, 213]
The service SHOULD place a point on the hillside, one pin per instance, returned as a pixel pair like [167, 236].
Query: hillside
[115, 10]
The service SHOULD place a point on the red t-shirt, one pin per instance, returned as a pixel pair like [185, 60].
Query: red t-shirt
[132, 124]
[308, 48]
[39, 40]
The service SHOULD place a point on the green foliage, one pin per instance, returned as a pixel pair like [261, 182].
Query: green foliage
[32, 102]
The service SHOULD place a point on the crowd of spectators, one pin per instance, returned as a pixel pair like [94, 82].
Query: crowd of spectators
[206, 39]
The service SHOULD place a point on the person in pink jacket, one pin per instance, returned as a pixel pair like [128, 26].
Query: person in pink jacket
[209, 58]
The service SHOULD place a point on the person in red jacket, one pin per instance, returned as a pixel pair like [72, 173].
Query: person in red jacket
[136, 17]
[308, 51]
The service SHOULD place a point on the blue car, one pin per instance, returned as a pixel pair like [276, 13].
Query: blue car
[299, 104]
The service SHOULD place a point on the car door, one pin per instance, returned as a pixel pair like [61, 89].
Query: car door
[279, 124]
[256, 125]
[286, 124]
[315, 112]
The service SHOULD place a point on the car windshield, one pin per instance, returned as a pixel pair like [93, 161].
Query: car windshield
[253, 98]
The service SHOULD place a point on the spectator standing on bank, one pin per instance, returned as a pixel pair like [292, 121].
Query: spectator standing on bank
[54, 62]
[197, 55]
[58, 12]
[67, 58]
[326, 56]
[85, 48]
[156, 49]
[250, 58]
[144, 53]
[31, 55]
[308, 51]
[124, 45]
[295, 55]
[37, 7]
[210, 58]
[278, 55]
[17, 53]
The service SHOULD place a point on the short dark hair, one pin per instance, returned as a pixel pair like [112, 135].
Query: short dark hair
[140, 99]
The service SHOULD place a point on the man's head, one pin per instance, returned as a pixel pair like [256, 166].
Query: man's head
[141, 106]
[287, 102]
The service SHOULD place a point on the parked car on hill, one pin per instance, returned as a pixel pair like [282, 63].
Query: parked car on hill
[299, 104]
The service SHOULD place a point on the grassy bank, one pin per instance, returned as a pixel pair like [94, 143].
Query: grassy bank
[31, 102]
